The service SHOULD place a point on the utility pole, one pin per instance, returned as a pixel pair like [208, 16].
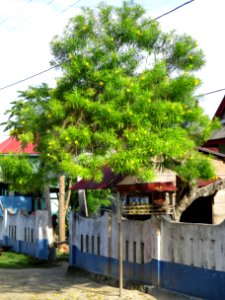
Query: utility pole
[120, 243]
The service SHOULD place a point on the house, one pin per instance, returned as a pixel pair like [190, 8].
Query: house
[20, 230]
[211, 209]
[15, 200]
[217, 144]
[139, 200]
[12, 145]
[217, 140]
[142, 200]
[10, 199]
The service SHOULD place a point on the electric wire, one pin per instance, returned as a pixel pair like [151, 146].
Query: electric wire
[212, 92]
[29, 1]
[29, 77]
[50, 2]
[21, 8]
[70, 6]
[60, 12]
[174, 9]
[47, 70]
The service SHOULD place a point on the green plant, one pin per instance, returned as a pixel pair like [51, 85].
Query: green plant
[12, 260]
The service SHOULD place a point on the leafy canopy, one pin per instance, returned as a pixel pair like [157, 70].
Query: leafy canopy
[125, 99]
[21, 173]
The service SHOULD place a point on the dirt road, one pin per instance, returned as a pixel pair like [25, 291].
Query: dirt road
[53, 284]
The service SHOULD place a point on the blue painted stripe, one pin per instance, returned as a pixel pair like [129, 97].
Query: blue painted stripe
[193, 281]
[5, 241]
[138, 273]
[43, 249]
[198, 282]
[37, 249]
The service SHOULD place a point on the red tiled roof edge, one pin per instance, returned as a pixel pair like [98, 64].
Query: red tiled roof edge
[12, 145]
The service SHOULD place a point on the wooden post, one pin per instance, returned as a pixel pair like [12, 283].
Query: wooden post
[62, 212]
[120, 243]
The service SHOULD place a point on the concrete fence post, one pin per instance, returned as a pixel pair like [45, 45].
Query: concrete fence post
[41, 226]
[156, 250]
[71, 233]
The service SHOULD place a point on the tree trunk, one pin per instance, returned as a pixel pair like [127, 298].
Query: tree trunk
[62, 211]
[196, 193]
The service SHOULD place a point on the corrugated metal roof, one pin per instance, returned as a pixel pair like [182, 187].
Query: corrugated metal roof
[109, 180]
[220, 134]
[148, 187]
[12, 145]
[209, 151]
[202, 182]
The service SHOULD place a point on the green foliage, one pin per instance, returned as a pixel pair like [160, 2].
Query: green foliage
[97, 199]
[125, 99]
[198, 166]
[12, 260]
[21, 173]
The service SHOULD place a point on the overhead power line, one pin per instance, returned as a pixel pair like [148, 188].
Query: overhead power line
[176, 8]
[209, 93]
[29, 77]
[67, 8]
[47, 4]
[50, 2]
[18, 10]
[47, 70]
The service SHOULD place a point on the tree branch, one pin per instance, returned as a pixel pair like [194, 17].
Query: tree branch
[196, 193]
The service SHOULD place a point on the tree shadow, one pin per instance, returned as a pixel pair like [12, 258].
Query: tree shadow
[45, 280]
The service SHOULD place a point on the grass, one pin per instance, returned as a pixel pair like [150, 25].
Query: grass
[12, 260]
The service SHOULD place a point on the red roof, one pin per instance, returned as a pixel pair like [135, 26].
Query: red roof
[12, 145]
[109, 180]
[202, 182]
[220, 109]
[148, 187]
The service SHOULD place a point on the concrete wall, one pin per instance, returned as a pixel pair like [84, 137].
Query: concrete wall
[26, 233]
[192, 258]
[188, 258]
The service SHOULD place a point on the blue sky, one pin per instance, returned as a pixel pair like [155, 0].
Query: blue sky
[27, 26]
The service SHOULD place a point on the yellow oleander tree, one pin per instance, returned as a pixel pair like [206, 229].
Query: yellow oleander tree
[125, 99]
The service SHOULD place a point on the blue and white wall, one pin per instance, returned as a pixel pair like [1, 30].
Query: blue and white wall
[188, 258]
[193, 258]
[94, 246]
[26, 233]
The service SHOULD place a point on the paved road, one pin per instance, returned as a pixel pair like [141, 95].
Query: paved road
[53, 284]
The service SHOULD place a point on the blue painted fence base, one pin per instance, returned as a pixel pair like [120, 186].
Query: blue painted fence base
[38, 249]
[193, 281]
[198, 282]
[137, 273]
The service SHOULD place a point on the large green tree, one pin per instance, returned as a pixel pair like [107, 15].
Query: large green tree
[126, 99]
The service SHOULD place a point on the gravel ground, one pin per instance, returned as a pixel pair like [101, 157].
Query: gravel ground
[53, 284]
